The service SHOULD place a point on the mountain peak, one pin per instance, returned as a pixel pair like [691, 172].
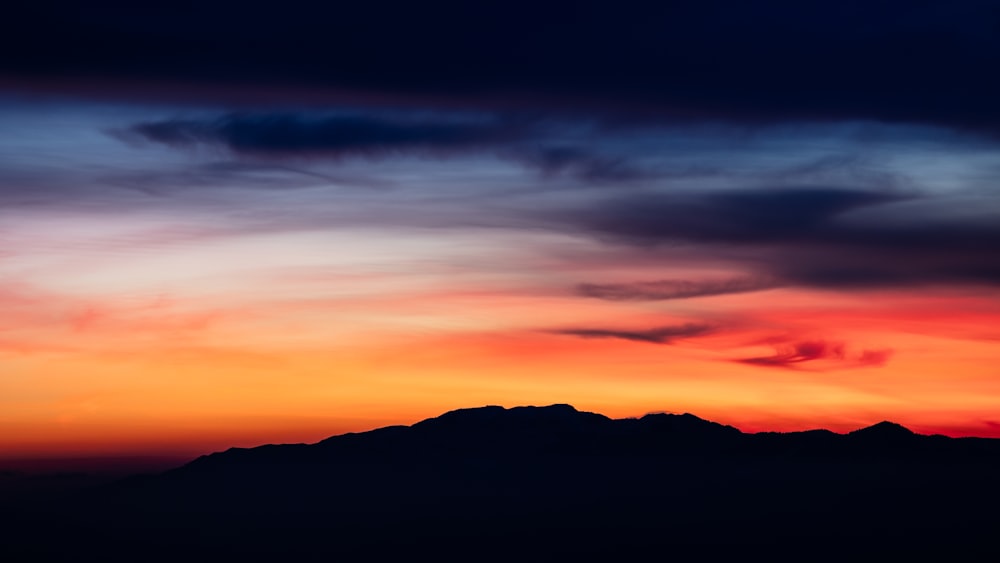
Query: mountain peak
[493, 412]
[884, 429]
[492, 415]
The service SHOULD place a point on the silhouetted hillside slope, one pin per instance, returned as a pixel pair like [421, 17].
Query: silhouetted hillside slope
[546, 483]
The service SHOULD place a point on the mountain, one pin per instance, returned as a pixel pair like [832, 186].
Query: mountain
[544, 483]
[557, 431]
[495, 431]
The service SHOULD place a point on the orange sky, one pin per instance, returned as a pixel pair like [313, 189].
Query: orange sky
[158, 300]
[188, 371]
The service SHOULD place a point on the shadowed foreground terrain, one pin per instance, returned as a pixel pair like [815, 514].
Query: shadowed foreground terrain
[541, 483]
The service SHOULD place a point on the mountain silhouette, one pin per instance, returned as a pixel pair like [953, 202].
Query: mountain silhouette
[561, 430]
[884, 430]
[544, 483]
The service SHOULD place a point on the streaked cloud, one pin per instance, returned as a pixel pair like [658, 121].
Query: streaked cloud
[819, 354]
[664, 290]
[657, 335]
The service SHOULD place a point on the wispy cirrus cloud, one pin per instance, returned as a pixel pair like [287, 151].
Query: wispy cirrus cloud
[222, 174]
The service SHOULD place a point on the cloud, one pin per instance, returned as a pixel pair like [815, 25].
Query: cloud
[738, 217]
[338, 135]
[770, 60]
[798, 352]
[818, 354]
[583, 164]
[663, 290]
[874, 357]
[235, 174]
[530, 142]
[819, 237]
[658, 335]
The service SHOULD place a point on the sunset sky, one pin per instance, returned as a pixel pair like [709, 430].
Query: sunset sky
[233, 226]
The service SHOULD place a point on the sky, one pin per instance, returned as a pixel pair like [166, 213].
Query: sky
[235, 224]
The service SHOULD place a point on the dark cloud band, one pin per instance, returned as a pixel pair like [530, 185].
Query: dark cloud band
[824, 237]
[663, 290]
[714, 59]
[289, 134]
[659, 335]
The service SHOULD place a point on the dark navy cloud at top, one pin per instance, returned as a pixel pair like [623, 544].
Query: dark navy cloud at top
[892, 60]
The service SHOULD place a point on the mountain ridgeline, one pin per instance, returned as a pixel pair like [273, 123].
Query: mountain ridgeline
[557, 431]
[550, 483]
